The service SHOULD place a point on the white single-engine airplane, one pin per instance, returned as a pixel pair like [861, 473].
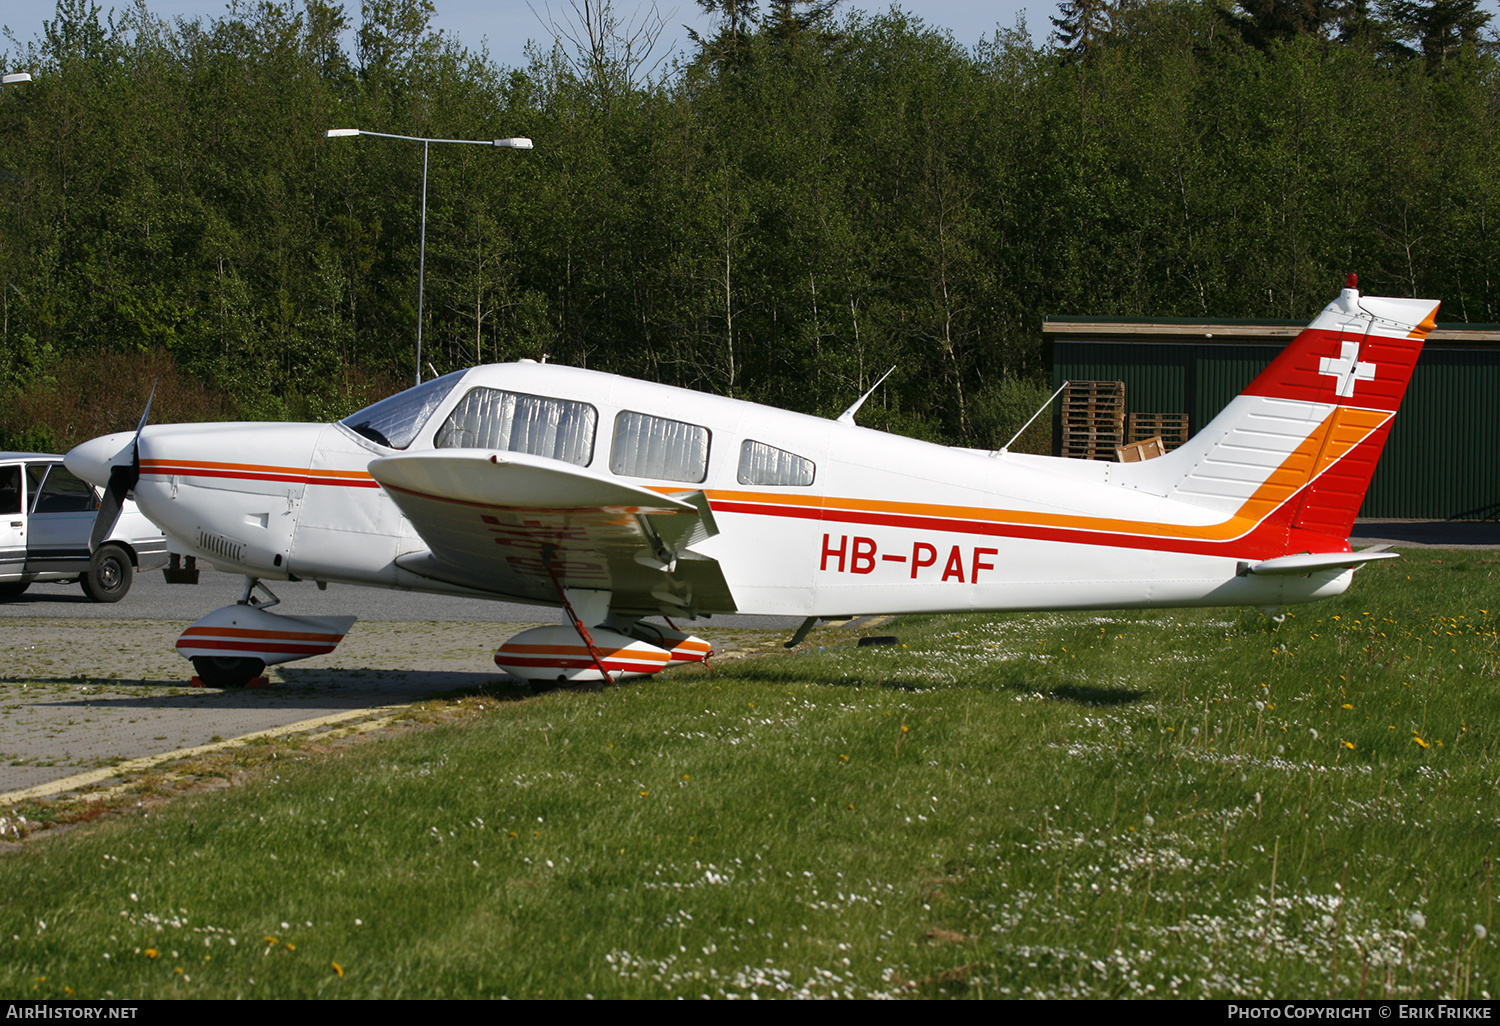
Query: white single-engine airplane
[619, 500]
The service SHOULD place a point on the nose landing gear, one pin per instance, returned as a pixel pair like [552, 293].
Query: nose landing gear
[232, 645]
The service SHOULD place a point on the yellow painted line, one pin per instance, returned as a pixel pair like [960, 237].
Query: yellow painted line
[79, 780]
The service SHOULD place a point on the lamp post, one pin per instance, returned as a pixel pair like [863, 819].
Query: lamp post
[513, 143]
[15, 78]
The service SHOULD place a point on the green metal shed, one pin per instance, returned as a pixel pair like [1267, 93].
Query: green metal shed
[1442, 461]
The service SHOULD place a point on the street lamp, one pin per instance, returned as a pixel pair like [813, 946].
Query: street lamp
[15, 78]
[513, 143]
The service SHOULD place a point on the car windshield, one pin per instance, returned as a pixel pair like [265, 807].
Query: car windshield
[394, 422]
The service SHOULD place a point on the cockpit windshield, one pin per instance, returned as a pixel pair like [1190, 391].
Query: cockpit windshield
[394, 422]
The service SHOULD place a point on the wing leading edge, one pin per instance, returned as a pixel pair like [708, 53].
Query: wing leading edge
[506, 523]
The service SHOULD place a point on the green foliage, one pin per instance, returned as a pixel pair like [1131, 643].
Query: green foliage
[804, 202]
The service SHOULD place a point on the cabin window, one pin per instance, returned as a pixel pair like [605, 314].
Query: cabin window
[647, 446]
[488, 418]
[762, 464]
[395, 422]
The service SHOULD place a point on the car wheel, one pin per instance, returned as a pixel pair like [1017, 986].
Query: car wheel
[226, 671]
[13, 589]
[109, 574]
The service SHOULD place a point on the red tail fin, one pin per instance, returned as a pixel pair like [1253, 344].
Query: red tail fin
[1298, 447]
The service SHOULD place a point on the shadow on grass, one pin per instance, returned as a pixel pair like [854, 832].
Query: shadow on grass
[1086, 694]
[81, 680]
[1080, 694]
[327, 689]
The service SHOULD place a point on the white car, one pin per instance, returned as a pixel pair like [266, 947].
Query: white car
[46, 516]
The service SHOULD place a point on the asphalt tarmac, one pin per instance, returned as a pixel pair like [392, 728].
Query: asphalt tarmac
[151, 598]
[1427, 534]
[92, 693]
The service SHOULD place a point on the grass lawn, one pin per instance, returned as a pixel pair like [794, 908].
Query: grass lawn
[1195, 804]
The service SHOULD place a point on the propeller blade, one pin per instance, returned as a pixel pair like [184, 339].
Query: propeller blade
[145, 413]
[122, 478]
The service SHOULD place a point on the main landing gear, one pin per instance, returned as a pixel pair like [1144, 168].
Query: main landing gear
[573, 655]
[617, 648]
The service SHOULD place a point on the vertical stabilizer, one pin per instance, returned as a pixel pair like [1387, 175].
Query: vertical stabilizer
[1296, 450]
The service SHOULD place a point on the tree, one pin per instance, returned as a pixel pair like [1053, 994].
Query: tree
[1439, 31]
[1262, 23]
[1084, 26]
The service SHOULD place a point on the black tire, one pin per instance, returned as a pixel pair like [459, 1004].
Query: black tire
[109, 575]
[13, 589]
[227, 671]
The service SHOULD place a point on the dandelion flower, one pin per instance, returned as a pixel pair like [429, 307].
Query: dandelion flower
[1480, 933]
[1419, 741]
[339, 970]
[1148, 820]
[152, 952]
[1418, 920]
[1348, 744]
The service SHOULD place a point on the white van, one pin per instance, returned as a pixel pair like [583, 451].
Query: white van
[46, 516]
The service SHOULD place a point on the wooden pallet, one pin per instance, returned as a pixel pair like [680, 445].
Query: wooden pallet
[1172, 428]
[1145, 449]
[1093, 419]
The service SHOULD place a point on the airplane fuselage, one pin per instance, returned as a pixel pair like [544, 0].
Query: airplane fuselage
[620, 500]
[885, 523]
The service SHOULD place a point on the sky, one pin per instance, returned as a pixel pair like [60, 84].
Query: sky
[506, 25]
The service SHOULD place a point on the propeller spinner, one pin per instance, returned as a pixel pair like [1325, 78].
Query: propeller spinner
[122, 478]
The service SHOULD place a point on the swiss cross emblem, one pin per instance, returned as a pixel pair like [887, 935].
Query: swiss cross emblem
[1346, 369]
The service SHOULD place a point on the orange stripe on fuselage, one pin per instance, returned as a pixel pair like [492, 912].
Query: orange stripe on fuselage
[1330, 441]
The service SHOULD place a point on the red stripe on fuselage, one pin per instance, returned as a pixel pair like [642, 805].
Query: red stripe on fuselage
[1255, 543]
[248, 472]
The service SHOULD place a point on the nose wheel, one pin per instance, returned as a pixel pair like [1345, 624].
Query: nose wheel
[227, 671]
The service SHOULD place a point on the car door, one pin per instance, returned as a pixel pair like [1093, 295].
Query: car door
[12, 523]
[62, 510]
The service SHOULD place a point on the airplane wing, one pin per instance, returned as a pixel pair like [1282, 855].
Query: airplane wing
[505, 523]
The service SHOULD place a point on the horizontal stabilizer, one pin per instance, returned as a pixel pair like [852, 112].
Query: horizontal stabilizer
[1311, 562]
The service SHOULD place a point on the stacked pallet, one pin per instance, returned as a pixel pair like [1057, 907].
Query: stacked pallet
[1144, 449]
[1093, 419]
[1172, 428]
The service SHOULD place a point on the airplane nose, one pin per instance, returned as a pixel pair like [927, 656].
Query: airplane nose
[92, 459]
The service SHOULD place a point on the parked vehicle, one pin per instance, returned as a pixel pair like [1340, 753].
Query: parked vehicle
[46, 514]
